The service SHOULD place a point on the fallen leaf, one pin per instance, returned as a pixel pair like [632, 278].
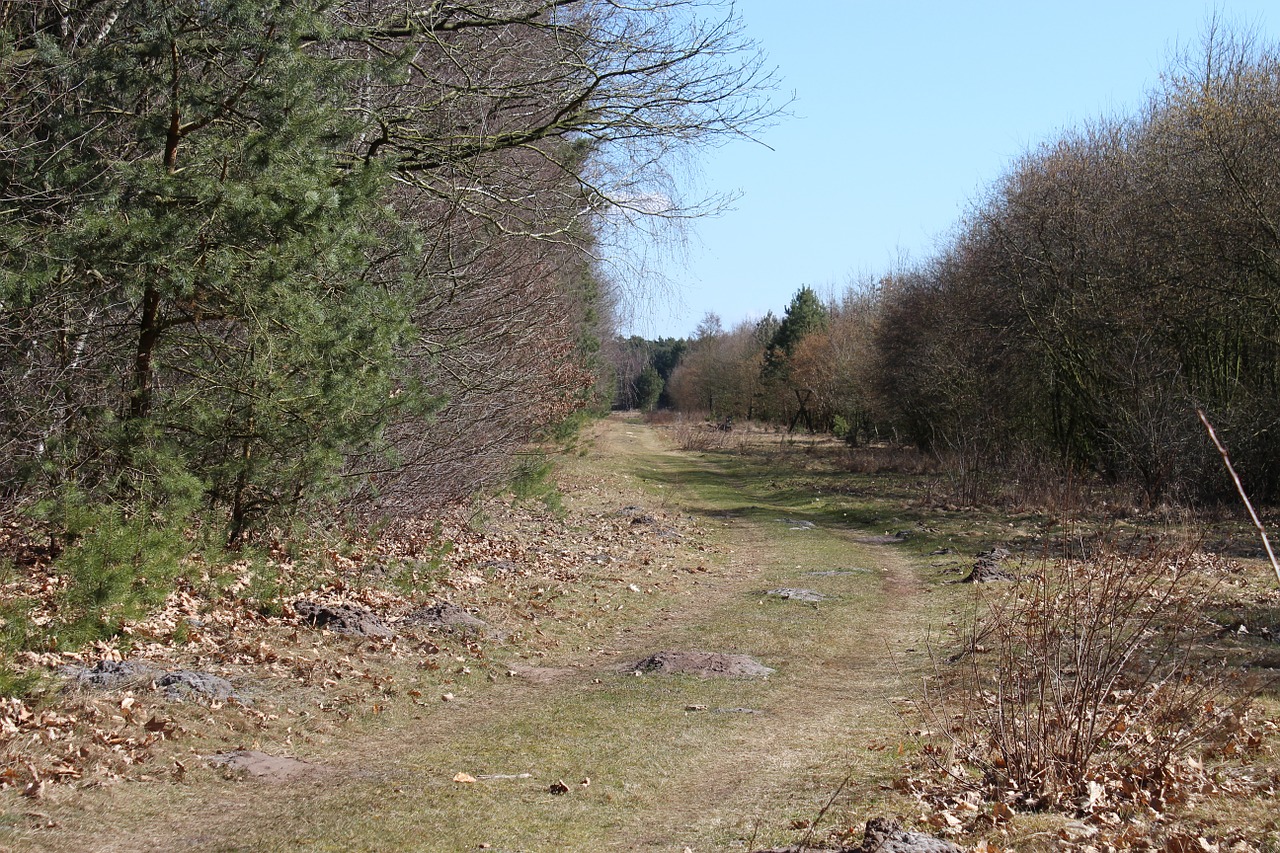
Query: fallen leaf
[1097, 796]
[1001, 812]
[155, 724]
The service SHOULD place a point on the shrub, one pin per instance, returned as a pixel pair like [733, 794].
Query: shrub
[532, 481]
[119, 561]
[15, 630]
[1078, 684]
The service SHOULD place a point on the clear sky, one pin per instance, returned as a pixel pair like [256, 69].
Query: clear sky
[905, 111]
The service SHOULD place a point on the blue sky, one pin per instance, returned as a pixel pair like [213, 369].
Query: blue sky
[905, 112]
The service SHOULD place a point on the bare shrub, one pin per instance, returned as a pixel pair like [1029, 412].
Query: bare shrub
[890, 459]
[1078, 687]
[660, 417]
[698, 435]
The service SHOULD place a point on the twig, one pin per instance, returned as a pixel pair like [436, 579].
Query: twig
[1226, 460]
[813, 825]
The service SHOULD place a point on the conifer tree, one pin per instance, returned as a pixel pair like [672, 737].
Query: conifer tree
[182, 262]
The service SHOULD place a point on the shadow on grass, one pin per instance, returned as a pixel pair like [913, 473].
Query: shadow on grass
[768, 483]
[766, 487]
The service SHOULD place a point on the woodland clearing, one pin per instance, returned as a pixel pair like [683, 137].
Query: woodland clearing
[544, 723]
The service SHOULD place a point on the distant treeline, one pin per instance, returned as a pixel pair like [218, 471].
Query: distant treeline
[1111, 283]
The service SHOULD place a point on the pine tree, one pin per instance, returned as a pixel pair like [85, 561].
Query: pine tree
[183, 260]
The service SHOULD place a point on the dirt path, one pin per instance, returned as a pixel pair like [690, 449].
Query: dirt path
[830, 703]
[673, 762]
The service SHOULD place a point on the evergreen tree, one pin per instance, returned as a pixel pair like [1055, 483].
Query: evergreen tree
[182, 258]
[648, 389]
[805, 313]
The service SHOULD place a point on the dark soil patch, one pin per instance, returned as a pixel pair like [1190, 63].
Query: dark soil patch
[342, 619]
[988, 567]
[702, 664]
[448, 617]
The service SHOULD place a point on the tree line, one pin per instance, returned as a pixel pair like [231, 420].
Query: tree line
[258, 258]
[1113, 281]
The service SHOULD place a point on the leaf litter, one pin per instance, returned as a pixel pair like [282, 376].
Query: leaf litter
[452, 593]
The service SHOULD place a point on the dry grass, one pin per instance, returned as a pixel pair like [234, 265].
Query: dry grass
[661, 776]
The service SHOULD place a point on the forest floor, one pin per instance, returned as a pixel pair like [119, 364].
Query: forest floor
[549, 726]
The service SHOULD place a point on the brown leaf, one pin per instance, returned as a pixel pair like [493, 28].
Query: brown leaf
[1001, 812]
[155, 724]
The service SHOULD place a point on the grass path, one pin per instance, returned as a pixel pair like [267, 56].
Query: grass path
[762, 755]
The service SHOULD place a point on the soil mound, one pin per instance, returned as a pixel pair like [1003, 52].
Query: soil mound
[185, 684]
[989, 568]
[703, 665]
[177, 685]
[887, 539]
[110, 674]
[342, 619]
[448, 617]
[260, 765]
[792, 594]
[882, 835]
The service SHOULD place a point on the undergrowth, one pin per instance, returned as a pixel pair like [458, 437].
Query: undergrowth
[1084, 687]
[533, 481]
